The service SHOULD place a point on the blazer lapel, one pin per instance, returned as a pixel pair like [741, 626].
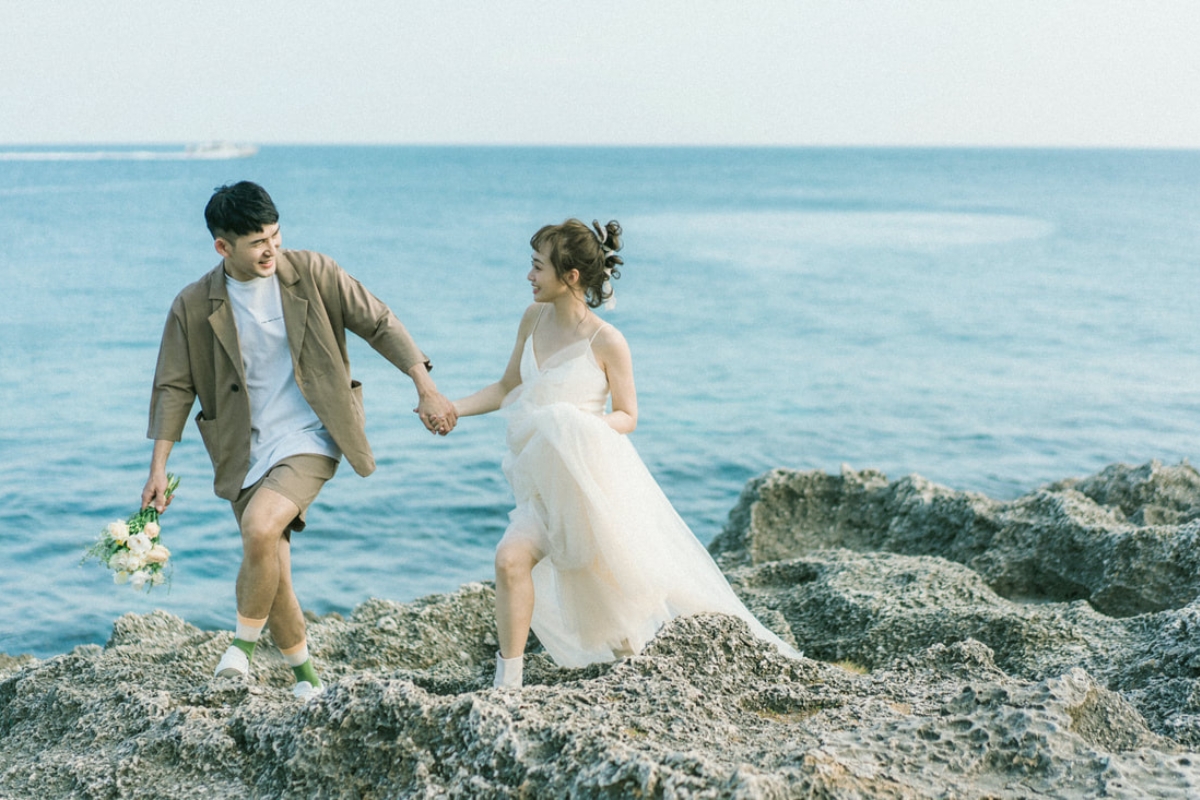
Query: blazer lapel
[295, 307]
[221, 321]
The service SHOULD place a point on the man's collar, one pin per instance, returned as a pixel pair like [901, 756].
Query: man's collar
[284, 269]
[288, 276]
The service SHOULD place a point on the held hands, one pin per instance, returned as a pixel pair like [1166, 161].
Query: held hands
[437, 413]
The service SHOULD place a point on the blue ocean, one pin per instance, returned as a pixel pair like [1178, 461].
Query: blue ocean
[990, 319]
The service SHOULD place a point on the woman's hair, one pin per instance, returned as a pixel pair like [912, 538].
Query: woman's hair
[592, 251]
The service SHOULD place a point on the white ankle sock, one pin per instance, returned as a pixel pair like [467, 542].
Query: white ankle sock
[248, 630]
[295, 656]
[509, 672]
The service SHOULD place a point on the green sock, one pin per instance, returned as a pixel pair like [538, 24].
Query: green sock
[245, 647]
[246, 634]
[306, 672]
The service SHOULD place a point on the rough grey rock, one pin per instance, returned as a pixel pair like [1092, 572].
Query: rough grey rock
[1147, 495]
[923, 679]
[1057, 544]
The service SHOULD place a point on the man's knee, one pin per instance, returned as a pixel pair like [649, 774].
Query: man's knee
[267, 519]
[262, 536]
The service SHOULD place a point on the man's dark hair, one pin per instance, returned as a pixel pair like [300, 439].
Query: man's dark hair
[239, 209]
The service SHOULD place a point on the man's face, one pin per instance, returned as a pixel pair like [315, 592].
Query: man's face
[252, 255]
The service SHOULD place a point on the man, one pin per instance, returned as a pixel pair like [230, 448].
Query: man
[261, 341]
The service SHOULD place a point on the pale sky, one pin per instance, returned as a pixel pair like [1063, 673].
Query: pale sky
[766, 72]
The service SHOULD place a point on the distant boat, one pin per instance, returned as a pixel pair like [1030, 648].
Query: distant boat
[221, 150]
[206, 150]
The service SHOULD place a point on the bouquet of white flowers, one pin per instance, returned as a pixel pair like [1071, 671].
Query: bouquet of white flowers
[133, 549]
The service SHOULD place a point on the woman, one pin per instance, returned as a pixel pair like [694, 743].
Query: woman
[595, 558]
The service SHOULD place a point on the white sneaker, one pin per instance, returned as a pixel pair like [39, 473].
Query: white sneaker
[234, 664]
[303, 690]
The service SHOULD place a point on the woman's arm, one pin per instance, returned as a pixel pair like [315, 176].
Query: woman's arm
[490, 397]
[612, 353]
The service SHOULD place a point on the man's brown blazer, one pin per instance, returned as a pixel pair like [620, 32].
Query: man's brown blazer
[200, 357]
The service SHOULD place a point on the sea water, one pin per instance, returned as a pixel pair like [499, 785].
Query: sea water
[990, 319]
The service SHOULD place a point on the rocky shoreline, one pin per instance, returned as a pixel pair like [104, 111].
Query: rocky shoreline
[956, 646]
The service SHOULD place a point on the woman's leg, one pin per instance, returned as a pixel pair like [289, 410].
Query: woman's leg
[515, 559]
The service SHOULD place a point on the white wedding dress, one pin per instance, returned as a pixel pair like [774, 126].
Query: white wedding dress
[618, 560]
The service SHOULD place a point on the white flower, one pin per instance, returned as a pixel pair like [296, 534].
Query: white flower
[139, 544]
[127, 561]
[117, 531]
[132, 548]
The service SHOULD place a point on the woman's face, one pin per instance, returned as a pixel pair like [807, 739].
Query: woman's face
[547, 286]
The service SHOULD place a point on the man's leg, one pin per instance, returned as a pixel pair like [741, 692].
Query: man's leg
[267, 514]
[264, 519]
[264, 582]
[289, 630]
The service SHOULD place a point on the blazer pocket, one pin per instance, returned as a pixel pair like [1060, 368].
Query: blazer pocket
[210, 432]
[356, 396]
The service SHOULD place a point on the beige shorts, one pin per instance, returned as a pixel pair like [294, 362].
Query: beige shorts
[298, 478]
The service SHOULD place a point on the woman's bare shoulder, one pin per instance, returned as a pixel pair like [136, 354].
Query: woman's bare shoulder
[610, 341]
[528, 317]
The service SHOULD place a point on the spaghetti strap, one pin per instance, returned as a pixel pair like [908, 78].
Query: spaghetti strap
[537, 321]
[596, 332]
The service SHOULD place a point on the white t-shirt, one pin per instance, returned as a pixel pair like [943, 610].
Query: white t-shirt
[282, 423]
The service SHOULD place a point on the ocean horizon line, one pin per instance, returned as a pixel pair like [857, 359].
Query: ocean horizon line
[85, 146]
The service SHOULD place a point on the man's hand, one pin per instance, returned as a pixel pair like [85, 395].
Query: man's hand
[155, 492]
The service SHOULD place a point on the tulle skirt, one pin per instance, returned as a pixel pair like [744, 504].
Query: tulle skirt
[618, 561]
